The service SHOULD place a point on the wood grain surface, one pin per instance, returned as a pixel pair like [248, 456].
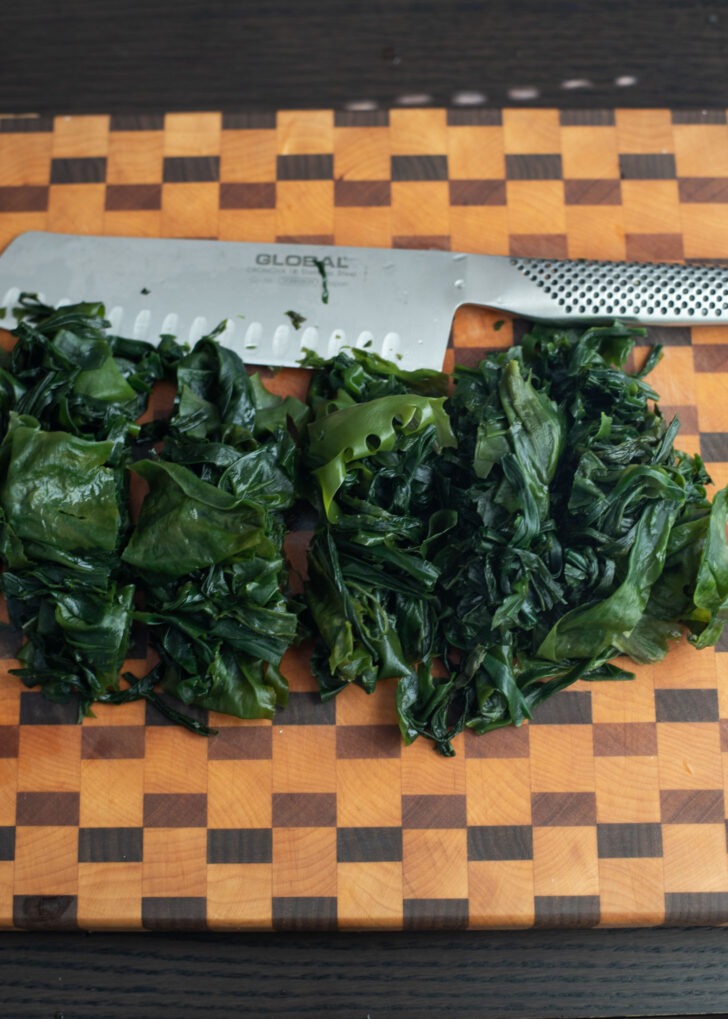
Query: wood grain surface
[607, 810]
[516, 975]
[127, 55]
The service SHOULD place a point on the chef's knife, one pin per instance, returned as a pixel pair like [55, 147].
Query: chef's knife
[278, 300]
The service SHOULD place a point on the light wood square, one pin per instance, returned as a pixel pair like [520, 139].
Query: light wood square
[362, 153]
[190, 210]
[562, 758]
[631, 893]
[25, 159]
[589, 153]
[565, 861]
[499, 791]
[304, 862]
[627, 790]
[480, 229]
[476, 153]
[426, 772]
[630, 701]
[650, 207]
[304, 132]
[80, 136]
[690, 755]
[8, 789]
[112, 794]
[711, 399]
[595, 231]
[369, 895]
[686, 668]
[46, 861]
[109, 896]
[135, 157]
[247, 225]
[239, 794]
[694, 858]
[536, 206]
[644, 130]
[418, 132]
[704, 229]
[434, 863]
[304, 758]
[175, 862]
[248, 156]
[76, 208]
[356, 707]
[192, 134]
[10, 689]
[175, 761]
[14, 223]
[420, 207]
[112, 715]
[527, 131]
[673, 378]
[501, 893]
[6, 894]
[374, 803]
[305, 207]
[239, 896]
[701, 150]
[49, 758]
[363, 227]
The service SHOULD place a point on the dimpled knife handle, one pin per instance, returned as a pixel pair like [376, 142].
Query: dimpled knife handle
[647, 293]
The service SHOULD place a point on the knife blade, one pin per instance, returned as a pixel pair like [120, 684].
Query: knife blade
[278, 300]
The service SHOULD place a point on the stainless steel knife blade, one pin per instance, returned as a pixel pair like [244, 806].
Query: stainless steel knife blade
[278, 300]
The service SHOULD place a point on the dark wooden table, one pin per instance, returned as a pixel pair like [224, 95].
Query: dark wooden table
[133, 57]
[517, 975]
[101, 55]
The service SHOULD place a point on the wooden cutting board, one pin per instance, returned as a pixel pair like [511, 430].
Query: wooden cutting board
[609, 808]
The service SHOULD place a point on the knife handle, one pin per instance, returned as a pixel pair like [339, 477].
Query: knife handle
[646, 293]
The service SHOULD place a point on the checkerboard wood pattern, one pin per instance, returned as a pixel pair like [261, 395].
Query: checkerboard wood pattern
[610, 807]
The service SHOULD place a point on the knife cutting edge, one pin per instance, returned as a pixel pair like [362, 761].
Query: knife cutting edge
[278, 300]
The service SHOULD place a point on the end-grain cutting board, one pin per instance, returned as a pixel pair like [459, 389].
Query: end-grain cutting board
[609, 808]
